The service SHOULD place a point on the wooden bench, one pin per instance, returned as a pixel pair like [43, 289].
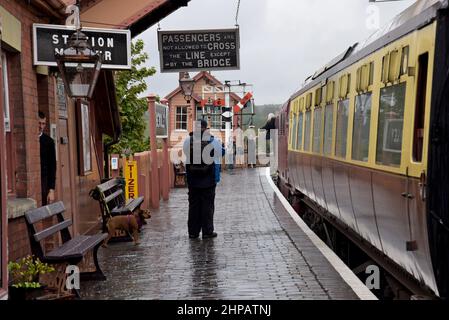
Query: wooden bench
[112, 202]
[72, 250]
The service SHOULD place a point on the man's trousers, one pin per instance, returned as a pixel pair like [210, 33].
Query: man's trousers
[201, 210]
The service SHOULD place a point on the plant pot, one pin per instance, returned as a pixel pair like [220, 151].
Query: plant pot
[24, 293]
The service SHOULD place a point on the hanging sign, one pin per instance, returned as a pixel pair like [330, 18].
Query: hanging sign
[197, 50]
[115, 45]
[131, 191]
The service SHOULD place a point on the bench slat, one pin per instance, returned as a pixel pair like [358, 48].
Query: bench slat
[135, 204]
[76, 248]
[52, 230]
[113, 196]
[34, 215]
[108, 185]
[130, 206]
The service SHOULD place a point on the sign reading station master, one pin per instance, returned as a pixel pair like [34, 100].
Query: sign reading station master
[115, 45]
[197, 50]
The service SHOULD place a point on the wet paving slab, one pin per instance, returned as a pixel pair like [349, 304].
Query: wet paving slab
[260, 253]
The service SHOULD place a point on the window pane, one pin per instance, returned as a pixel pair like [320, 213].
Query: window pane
[307, 132]
[300, 128]
[341, 133]
[328, 124]
[391, 120]
[294, 128]
[317, 130]
[199, 113]
[360, 136]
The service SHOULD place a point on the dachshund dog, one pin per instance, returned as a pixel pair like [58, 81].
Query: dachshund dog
[131, 223]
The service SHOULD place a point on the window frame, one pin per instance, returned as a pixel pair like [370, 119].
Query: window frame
[371, 96]
[181, 114]
[337, 154]
[84, 138]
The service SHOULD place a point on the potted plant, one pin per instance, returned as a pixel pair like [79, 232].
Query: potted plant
[24, 276]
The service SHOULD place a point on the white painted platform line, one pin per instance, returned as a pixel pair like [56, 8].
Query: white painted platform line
[348, 276]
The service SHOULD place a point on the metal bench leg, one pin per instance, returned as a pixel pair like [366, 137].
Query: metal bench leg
[97, 274]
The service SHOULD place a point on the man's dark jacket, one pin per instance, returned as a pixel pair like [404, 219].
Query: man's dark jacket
[48, 163]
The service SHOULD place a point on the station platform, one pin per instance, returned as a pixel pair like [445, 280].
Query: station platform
[263, 251]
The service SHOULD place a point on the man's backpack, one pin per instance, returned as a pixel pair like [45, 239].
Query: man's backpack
[197, 164]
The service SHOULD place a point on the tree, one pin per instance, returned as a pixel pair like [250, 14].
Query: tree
[130, 84]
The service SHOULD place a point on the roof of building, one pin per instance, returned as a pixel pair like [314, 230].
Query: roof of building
[197, 77]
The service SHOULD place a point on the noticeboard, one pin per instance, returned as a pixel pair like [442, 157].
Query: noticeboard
[161, 121]
[196, 50]
[113, 44]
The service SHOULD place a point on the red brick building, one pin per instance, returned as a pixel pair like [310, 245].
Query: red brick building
[26, 89]
[183, 114]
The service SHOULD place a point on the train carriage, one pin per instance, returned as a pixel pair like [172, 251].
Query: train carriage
[365, 144]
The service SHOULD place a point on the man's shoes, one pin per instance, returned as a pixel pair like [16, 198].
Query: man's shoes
[208, 236]
[193, 236]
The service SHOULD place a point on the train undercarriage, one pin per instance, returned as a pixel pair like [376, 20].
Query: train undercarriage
[386, 279]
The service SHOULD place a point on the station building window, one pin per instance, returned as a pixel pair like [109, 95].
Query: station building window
[317, 123]
[300, 129]
[341, 133]
[199, 113]
[360, 135]
[390, 127]
[328, 127]
[307, 131]
[181, 118]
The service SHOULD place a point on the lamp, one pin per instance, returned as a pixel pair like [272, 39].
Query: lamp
[79, 66]
[186, 83]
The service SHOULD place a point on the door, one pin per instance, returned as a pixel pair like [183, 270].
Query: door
[64, 169]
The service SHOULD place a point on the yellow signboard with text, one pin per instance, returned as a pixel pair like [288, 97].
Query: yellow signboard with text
[131, 190]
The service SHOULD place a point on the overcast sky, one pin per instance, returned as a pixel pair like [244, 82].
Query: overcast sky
[282, 42]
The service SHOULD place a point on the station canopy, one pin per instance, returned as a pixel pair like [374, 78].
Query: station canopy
[135, 15]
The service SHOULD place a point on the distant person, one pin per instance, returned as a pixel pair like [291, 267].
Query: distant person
[48, 162]
[203, 157]
[251, 147]
[269, 125]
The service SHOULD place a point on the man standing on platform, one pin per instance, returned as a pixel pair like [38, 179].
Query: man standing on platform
[48, 163]
[203, 157]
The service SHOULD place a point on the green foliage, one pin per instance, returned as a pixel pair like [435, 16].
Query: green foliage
[25, 273]
[130, 84]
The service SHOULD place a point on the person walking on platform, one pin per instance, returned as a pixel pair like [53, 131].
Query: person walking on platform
[203, 157]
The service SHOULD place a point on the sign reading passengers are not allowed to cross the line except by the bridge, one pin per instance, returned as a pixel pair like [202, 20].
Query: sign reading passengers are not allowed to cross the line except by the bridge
[196, 50]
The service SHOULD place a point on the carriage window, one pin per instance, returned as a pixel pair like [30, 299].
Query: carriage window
[294, 128]
[341, 133]
[307, 132]
[360, 135]
[328, 124]
[300, 128]
[391, 121]
[317, 130]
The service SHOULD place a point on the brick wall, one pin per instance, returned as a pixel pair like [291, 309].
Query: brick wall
[24, 106]
[18, 241]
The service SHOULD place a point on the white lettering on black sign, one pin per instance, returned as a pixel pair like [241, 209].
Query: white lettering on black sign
[199, 50]
[114, 45]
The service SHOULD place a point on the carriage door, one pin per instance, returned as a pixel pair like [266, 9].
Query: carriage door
[65, 176]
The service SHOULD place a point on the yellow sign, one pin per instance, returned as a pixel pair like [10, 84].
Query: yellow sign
[131, 180]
